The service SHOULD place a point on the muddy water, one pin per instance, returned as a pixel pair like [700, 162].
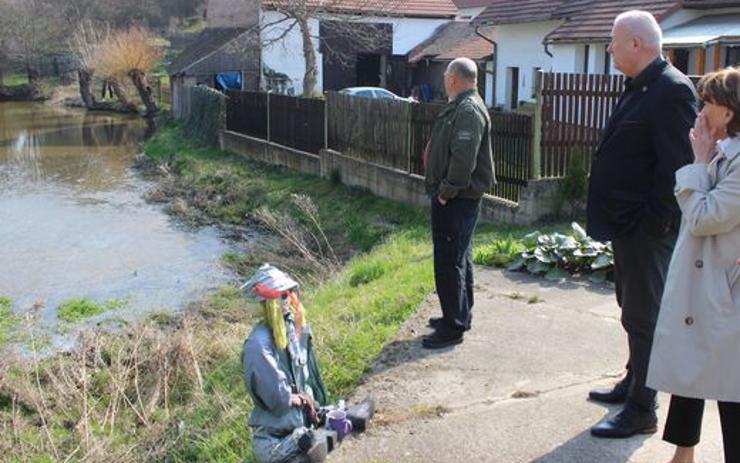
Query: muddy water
[73, 222]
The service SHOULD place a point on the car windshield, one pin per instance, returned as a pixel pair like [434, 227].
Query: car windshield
[383, 93]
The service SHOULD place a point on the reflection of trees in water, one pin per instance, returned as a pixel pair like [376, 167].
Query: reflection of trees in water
[91, 151]
[25, 155]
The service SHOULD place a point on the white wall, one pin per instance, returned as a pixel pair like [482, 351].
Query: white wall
[520, 45]
[286, 56]
[408, 32]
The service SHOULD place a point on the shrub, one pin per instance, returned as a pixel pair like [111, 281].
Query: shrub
[208, 114]
[557, 255]
[574, 186]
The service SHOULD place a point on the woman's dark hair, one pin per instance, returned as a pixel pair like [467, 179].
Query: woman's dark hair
[723, 88]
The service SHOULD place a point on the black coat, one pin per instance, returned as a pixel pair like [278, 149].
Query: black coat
[645, 141]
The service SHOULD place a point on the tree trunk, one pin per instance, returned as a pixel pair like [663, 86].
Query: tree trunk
[145, 91]
[121, 95]
[309, 56]
[85, 79]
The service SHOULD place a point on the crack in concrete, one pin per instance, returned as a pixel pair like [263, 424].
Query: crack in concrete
[518, 394]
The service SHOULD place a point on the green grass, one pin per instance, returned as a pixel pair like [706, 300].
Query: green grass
[8, 320]
[79, 309]
[11, 80]
[354, 312]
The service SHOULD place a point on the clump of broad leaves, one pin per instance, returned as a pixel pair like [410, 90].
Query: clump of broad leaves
[557, 255]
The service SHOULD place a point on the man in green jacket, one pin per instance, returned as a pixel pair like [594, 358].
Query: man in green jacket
[459, 171]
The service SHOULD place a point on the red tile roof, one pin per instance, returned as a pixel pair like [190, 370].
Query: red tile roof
[453, 40]
[476, 48]
[594, 21]
[409, 8]
[584, 20]
[518, 11]
[699, 4]
[471, 3]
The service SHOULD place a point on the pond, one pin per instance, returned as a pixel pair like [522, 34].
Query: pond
[74, 224]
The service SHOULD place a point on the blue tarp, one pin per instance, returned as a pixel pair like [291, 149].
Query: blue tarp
[229, 80]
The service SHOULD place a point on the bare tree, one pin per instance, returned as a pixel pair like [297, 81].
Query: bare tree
[87, 43]
[31, 31]
[131, 52]
[348, 19]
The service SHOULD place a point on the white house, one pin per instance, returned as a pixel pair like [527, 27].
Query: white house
[572, 36]
[381, 63]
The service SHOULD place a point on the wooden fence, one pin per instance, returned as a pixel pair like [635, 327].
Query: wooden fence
[246, 113]
[422, 122]
[297, 122]
[375, 130]
[574, 110]
[511, 141]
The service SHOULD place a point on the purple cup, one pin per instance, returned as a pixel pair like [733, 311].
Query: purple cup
[336, 420]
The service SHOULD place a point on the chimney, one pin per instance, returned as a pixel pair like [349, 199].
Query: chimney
[232, 13]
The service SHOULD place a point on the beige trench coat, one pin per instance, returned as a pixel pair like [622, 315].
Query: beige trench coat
[696, 351]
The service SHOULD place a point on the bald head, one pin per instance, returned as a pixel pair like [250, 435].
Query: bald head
[465, 68]
[636, 41]
[642, 24]
[461, 75]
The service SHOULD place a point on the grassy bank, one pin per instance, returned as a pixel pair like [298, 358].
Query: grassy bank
[170, 388]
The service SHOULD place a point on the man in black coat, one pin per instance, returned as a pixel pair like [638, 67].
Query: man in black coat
[631, 202]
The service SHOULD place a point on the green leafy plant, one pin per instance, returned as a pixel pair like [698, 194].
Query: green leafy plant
[499, 253]
[557, 255]
[574, 185]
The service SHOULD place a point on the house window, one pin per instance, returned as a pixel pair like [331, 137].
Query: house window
[512, 78]
[733, 56]
[681, 59]
[586, 53]
[607, 60]
[535, 71]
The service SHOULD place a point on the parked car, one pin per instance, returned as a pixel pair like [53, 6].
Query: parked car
[374, 92]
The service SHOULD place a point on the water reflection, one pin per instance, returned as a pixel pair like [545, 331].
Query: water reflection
[73, 222]
[91, 151]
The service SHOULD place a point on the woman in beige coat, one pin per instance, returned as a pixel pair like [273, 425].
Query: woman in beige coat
[696, 349]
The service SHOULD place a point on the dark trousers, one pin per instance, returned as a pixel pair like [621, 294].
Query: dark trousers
[452, 234]
[640, 267]
[683, 427]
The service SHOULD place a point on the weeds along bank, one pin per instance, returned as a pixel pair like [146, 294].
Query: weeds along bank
[170, 388]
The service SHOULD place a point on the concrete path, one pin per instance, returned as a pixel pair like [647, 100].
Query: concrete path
[515, 390]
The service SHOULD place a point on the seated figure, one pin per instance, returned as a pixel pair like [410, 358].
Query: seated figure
[282, 376]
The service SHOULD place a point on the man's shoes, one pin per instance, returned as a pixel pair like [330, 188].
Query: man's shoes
[626, 424]
[360, 414]
[615, 395]
[314, 445]
[440, 339]
[436, 322]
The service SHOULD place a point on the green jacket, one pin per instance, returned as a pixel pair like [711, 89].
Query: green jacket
[459, 161]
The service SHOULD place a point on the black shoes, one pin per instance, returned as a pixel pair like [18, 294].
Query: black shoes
[626, 424]
[360, 414]
[615, 395]
[314, 445]
[436, 322]
[441, 338]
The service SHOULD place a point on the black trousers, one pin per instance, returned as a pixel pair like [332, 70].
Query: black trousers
[683, 427]
[452, 235]
[640, 267]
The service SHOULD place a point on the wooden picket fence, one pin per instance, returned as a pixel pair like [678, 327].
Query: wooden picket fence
[511, 142]
[574, 110]
[374, 130]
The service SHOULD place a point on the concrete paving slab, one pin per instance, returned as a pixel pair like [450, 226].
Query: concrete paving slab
[515, 390]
